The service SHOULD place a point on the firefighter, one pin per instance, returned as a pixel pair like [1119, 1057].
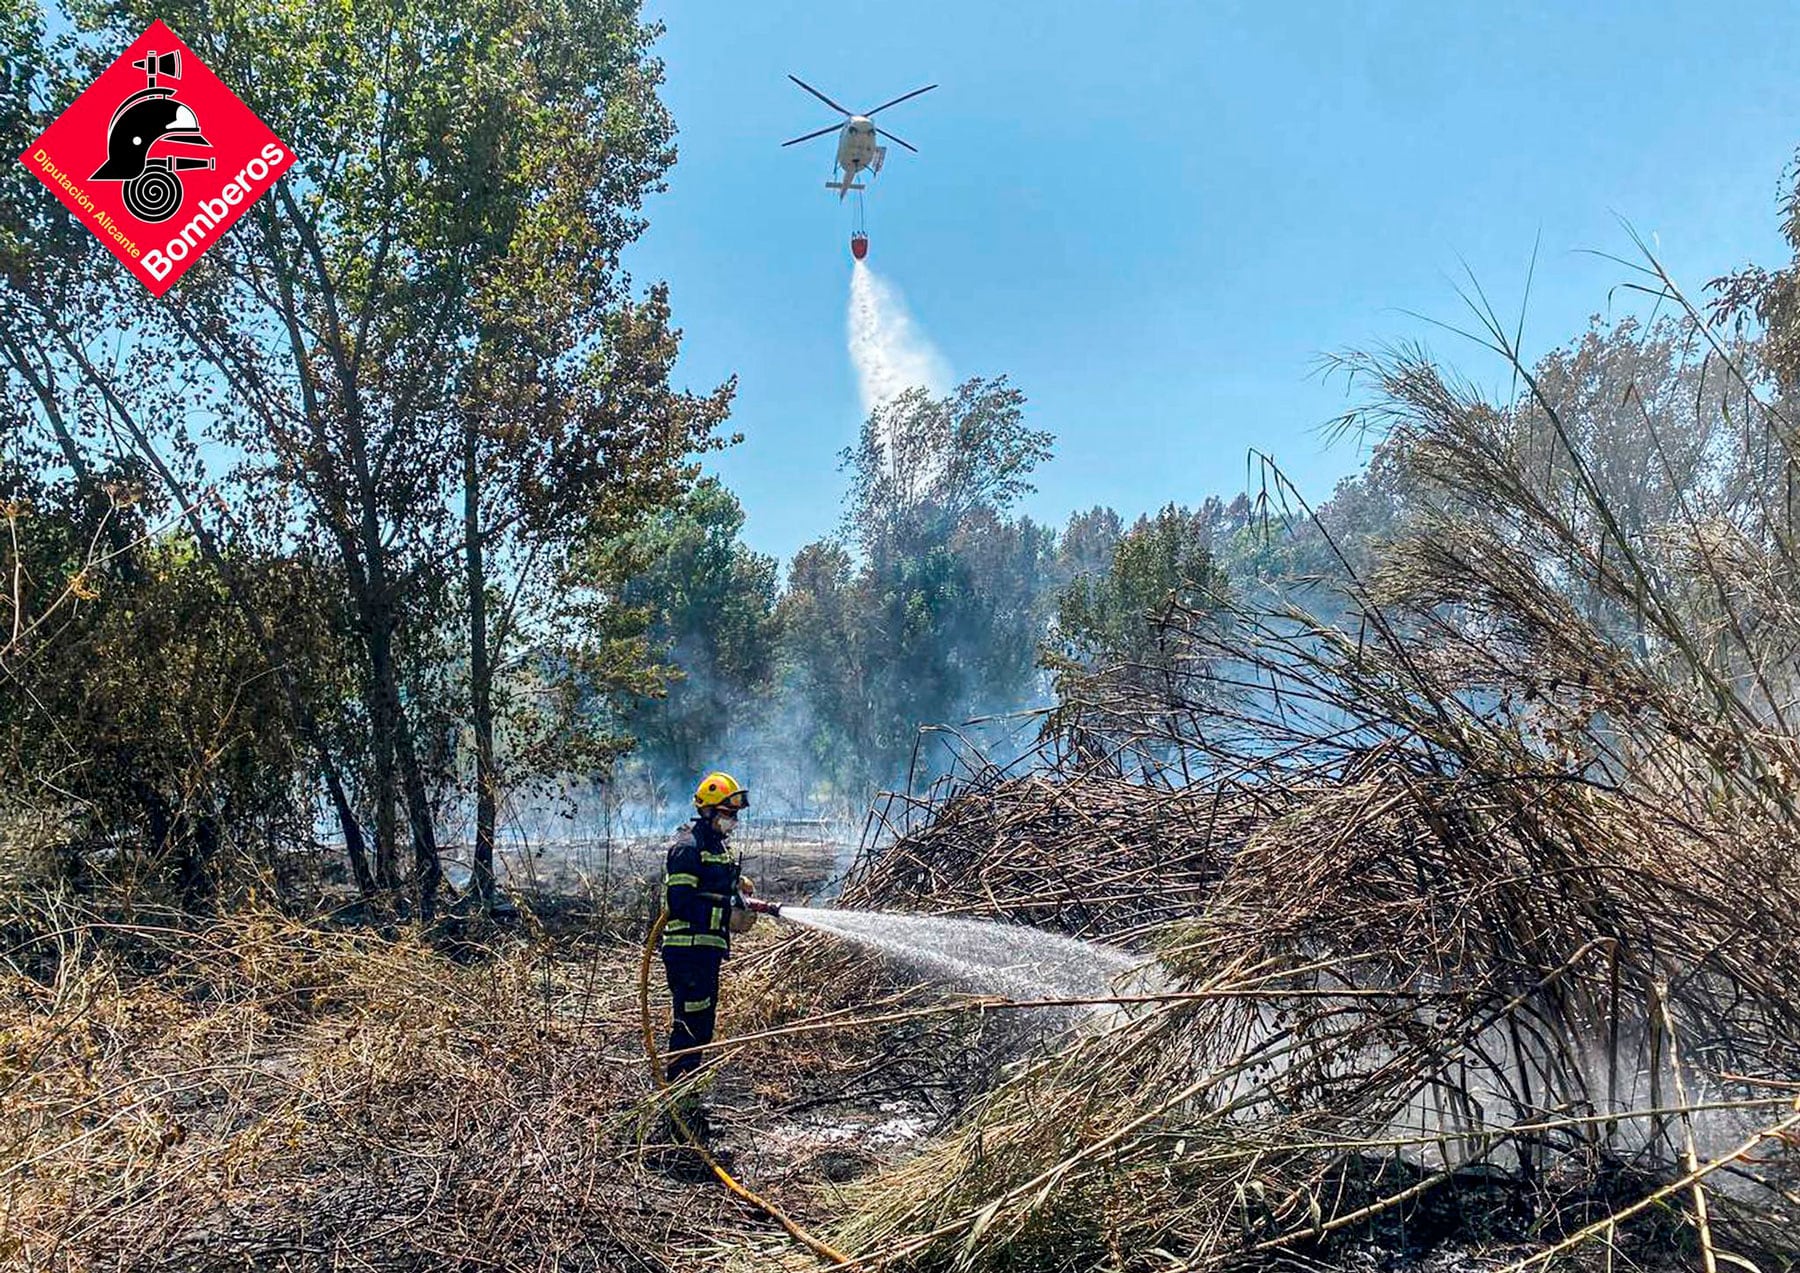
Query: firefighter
[704, 892]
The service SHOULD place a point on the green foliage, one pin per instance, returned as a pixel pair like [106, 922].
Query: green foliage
[1086, 544]
[1161, 563]
[931, 611]
[711, 607]
[141, 735]
[1118, 631]
[464, 550]
[823, 627]
[923, 464]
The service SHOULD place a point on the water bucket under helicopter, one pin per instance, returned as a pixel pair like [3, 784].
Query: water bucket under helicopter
[859, 238]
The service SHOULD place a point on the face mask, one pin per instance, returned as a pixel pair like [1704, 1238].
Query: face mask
[724, 823]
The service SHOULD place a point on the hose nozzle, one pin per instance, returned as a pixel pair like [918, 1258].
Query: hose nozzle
[761, 907]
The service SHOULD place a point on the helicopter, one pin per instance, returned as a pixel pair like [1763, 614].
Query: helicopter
[857, 151]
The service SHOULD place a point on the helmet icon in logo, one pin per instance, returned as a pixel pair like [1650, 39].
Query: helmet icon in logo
[143, 121]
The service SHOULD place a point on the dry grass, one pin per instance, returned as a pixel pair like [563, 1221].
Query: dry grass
[266, 1094]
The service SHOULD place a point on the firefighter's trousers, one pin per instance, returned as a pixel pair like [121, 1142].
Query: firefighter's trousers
[694, 994]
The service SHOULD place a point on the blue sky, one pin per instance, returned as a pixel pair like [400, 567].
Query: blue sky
[1156, 217]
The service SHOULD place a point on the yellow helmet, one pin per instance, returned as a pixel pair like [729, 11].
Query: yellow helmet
[718, 790]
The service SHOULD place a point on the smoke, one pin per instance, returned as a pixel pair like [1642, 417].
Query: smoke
[890, 354]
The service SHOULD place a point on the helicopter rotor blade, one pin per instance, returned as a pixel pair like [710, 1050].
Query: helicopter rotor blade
[901, 141]
[899, 99]
[829, 128]
[816, 93]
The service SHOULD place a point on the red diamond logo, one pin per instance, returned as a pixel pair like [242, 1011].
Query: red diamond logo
[158, 158]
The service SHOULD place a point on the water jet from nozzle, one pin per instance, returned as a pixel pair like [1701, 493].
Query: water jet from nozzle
[1019, 962]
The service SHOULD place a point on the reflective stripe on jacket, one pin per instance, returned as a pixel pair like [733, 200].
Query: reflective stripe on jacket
[698, 888]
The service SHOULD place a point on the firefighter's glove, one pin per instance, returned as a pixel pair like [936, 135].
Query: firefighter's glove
[741, 918]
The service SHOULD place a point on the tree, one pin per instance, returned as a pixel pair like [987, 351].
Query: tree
[921, 464]
[140, 730]
[1010, 565]
[1114, 618]
[929, 609]
[824, 632]
[1768, 301]
[1085, 546]
[62, 307]
[563, 448]
[711, 603]
[426, 317]
[494, 165]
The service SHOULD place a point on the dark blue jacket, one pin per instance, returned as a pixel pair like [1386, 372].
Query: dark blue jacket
[699, 889]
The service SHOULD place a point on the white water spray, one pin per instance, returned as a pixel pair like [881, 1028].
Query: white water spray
[889, 352]
[1021, 963]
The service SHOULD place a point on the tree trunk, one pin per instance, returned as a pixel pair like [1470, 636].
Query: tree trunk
[481, 703]
[428, 871]
[387, 792]
[394, 742]
[198, 853]
[354, 848]
[376, 601]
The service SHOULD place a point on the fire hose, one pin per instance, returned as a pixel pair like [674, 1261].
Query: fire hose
[671, 1108]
